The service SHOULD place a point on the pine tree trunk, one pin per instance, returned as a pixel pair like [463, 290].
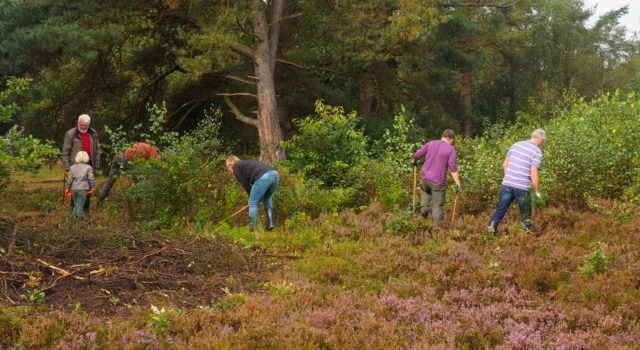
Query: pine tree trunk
[266, 47]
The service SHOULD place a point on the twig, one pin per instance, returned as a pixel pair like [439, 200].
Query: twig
[63, 272]
[153, 253]
[14, 273]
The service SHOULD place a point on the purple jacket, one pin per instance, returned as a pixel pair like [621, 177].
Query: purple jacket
[439, 156]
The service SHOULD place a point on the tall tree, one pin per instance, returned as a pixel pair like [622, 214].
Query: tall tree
[267, 19]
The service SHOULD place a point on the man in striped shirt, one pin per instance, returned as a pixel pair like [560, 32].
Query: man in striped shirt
[520, 171]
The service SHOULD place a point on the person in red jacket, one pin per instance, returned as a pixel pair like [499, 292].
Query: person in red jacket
[123, 162]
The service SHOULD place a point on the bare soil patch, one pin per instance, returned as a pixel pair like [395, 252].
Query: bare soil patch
[110, 270]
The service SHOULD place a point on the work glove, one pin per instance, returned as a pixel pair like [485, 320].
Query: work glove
[67, 193]
[456, 188]
[414, 162]
[538, 194]
[66, 173]
[90, 191]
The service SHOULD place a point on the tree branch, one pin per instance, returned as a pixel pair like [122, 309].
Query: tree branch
[246, 31]
[243, 51]
[241, 80]
[295, 65]
[195, 103]
[286, 17]
[239, 115]
[226, 94]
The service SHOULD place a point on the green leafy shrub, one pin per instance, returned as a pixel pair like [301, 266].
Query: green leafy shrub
[188, 183]
[296, 193]
[328, 145]
[592, 150]
[596, 261]
[17, 151]
[387, 176]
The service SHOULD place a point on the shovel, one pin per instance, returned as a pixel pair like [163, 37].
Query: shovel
[455, 203]
[413, 208]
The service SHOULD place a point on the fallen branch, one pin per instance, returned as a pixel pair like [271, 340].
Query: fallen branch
[153, 253]
[14, 273]
[64, 273]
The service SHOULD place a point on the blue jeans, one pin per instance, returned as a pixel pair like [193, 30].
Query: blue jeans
[261, 190]
[507, 195]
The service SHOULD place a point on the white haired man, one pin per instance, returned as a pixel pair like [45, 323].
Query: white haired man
[81, 138]
[520, 172]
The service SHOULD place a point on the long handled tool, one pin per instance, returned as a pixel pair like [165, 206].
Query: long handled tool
[237, 212]
[413, 208]
[455, 203]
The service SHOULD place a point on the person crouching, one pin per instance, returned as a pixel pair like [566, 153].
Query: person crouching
[259, 181]
[80, 182]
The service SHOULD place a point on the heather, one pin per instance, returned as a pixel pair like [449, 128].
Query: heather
[348, 265]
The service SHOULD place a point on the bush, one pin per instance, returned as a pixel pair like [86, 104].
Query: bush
[188, 183]
[19, 152]
[327, 145]
[592, 150]
[390, 172]
[295, 194]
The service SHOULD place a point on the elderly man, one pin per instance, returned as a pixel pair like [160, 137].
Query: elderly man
[81, 138]
[123, 161]
[520, 171]
[440, 156]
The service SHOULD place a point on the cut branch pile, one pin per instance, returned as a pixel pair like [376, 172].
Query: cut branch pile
[110, 270]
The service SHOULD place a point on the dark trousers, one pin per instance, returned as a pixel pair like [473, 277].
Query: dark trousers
[434, 194]
[507, 195]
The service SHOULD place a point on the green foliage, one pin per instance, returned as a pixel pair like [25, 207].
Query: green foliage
[230, 300]
[591, 151]
[281, 289]
[327, 146]
[385, 177]
[188, 183]
[17, 151]
[35, 297]
[592, 148]
[596, 261]
[15, 87]
[159, 320]
[480, 162]
[296, 193]
[406, 223]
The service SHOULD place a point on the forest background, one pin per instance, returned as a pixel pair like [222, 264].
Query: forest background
[451, 64]
[337, 95]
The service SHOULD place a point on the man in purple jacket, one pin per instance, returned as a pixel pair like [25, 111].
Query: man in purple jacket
[520, 172]
[439, 156]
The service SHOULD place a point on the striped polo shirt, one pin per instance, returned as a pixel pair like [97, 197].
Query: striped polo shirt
[522, 155]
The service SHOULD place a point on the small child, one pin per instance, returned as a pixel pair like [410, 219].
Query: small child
[79, 182]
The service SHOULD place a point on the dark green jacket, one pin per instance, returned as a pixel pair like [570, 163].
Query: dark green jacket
[73, 144]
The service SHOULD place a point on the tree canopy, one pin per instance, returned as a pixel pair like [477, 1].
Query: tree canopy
[452, 64]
